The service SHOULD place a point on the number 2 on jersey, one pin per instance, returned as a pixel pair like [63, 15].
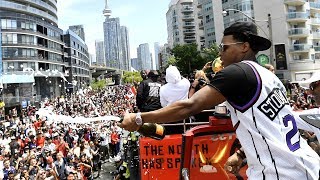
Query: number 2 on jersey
[291, 133]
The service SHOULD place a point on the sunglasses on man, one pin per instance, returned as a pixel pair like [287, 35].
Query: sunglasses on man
[223, 47]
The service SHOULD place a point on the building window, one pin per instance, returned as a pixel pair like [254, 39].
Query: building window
[8, 24]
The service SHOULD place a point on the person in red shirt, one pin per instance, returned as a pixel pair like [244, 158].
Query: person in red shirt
[40, 139]
[37, 124]
[62, 147]
[114, 141]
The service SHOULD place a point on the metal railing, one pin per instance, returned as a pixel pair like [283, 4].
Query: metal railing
[299, 31]
[297, 15]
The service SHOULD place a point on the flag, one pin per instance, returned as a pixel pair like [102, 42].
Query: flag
[133, 90]
[131, 93]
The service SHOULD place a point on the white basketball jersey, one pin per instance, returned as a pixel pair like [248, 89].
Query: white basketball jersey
[269, 135]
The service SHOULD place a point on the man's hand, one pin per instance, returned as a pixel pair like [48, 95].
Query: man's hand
[207, 66]
[233, 164]
[129, 122]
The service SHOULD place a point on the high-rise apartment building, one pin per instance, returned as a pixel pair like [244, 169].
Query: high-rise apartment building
[111, 28]
[79, 30]
[183, 24]
[292, 25]
[116, 42]
[164, 56]
[134, 64]
[125, 62]
[144, 58]
[78, 61]
[32, 51]
[100, 60]
[156, 55]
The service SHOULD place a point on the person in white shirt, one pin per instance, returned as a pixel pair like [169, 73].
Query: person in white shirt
[177, 87]
[104, 144]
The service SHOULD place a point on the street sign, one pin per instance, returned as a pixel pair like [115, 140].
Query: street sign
[263, 59]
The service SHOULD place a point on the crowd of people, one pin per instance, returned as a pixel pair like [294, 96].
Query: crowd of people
[34, 146]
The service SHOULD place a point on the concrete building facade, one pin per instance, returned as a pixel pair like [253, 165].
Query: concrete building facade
[293, 26]
[182, 23]
[78, 60]
[32, 51]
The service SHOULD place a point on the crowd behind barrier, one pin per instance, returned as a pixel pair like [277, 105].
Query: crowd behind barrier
[70, 137]
[301, 99]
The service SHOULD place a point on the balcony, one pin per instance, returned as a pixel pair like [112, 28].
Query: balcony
[201, 25]
[189, 38]
[316, 48]
[188, 24]
[299, 32]
[42, 4]
[202, 39]
[297, 17]
[199, 5]
[315, 21]
[315, 6]
[187, 9]
[316, 35]
[295, 2]
[187, 17]
[189, 31]
[200, 15]
[28, 10]
[296, 48]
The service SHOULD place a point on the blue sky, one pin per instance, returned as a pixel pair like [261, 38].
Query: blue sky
[145, 19]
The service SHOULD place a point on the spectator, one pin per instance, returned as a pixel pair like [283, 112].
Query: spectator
[269, 67]
[148, 97]
[200, 80]
[176, 88]
[60, 165]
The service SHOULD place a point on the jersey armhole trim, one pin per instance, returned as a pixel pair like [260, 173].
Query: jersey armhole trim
[256, 96]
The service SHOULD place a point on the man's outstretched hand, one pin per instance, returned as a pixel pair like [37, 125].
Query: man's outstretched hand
[128, 122]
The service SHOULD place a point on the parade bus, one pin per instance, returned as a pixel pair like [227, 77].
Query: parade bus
[199, 153]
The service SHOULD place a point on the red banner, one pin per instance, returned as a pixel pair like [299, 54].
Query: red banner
[162, 159]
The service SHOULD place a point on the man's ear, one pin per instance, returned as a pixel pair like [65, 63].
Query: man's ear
[245, 47]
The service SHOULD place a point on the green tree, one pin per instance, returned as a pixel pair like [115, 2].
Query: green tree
[188, 58]
[96, 85]
[211, 53]
[130, 77]
[171, 61]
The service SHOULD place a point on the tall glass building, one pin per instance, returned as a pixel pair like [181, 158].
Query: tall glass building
[144, 57]
[125, 62]
[100, 60]
[111, 28]
[32, 50]
[156, 55]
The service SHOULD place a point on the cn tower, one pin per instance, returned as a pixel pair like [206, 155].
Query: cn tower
[107, 11]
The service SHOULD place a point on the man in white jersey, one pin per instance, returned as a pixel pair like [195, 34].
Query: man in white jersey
[260, 111]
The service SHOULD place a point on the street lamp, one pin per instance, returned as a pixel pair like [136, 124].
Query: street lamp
[225, 12]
